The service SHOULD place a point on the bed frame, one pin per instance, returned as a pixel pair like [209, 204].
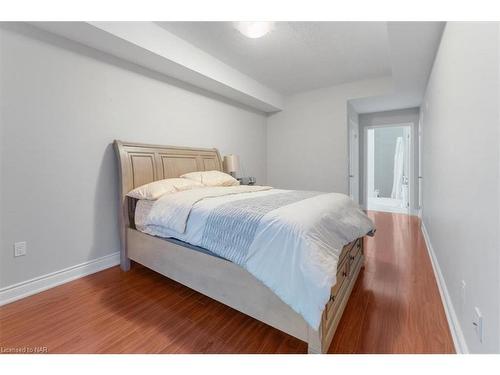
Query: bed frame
[212, 276]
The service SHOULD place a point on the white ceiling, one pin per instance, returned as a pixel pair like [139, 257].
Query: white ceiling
[296, 56]
[413, 48]
[301, 56]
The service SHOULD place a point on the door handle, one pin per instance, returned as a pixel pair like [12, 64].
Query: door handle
[351, 175]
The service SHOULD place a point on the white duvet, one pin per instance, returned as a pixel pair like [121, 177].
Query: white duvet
[295, 249]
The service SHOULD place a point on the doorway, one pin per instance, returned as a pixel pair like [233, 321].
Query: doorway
[353, 161]
[388, 173]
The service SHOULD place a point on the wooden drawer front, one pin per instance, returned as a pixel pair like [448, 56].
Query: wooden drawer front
[338, 288]
[355, 251]
[345, 250]
[352, 256]
[354, 265]
[335, 306]
[349, 253]
[342, 274]
[355, 255]
[338, 292]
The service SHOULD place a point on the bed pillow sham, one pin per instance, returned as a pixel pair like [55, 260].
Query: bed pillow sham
[212, 178]
[156, 189]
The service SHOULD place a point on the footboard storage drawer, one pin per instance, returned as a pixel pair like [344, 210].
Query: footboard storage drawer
[345, 250]
[355, 255]
[338, 292]
[342, 274]
[347, 273]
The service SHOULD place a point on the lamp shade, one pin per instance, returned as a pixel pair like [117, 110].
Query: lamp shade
[232, 163]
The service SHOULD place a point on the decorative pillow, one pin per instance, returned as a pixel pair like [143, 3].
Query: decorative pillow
[212, 178]
[156, 189]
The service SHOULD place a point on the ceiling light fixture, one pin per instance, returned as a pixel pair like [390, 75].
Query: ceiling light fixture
[254, 29]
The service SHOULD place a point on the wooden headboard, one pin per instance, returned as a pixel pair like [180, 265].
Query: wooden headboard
[139, 164]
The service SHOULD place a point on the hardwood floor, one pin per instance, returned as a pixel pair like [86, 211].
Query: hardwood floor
[395, 307]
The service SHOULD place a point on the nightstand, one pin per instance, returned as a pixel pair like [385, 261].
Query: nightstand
[247, 180]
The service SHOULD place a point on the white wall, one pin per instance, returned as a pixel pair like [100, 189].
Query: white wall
[62, 106]
[408, 116]
[307, 141]
[461, 174]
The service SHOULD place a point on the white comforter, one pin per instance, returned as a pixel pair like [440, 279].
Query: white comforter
[295, 249]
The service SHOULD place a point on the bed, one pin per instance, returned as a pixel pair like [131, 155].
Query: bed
[204, 271]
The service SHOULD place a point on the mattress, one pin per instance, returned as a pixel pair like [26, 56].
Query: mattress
[141, 212]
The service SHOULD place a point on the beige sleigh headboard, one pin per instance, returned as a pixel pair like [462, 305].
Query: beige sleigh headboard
[140, 164]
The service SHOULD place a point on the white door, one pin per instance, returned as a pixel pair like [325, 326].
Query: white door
[370, 164]
[354, 161]
[406, 172]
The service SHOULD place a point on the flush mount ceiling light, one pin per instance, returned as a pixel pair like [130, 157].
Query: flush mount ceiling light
[254, 29]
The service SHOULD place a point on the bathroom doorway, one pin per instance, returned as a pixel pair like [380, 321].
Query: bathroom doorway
[388, 173]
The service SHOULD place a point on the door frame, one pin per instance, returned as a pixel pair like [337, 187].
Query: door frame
[411, 161]
[350, 154]
[420, 197]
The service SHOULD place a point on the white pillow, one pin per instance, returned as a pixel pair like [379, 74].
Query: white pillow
[156, 189]
[212, 178]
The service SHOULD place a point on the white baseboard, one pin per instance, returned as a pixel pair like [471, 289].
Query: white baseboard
[451, 316]
[27, 288]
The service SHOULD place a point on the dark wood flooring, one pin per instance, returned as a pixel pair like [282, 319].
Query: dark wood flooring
[395, 307]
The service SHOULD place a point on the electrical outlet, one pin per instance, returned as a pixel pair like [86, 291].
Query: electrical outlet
[477, 322]
[19, 249]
